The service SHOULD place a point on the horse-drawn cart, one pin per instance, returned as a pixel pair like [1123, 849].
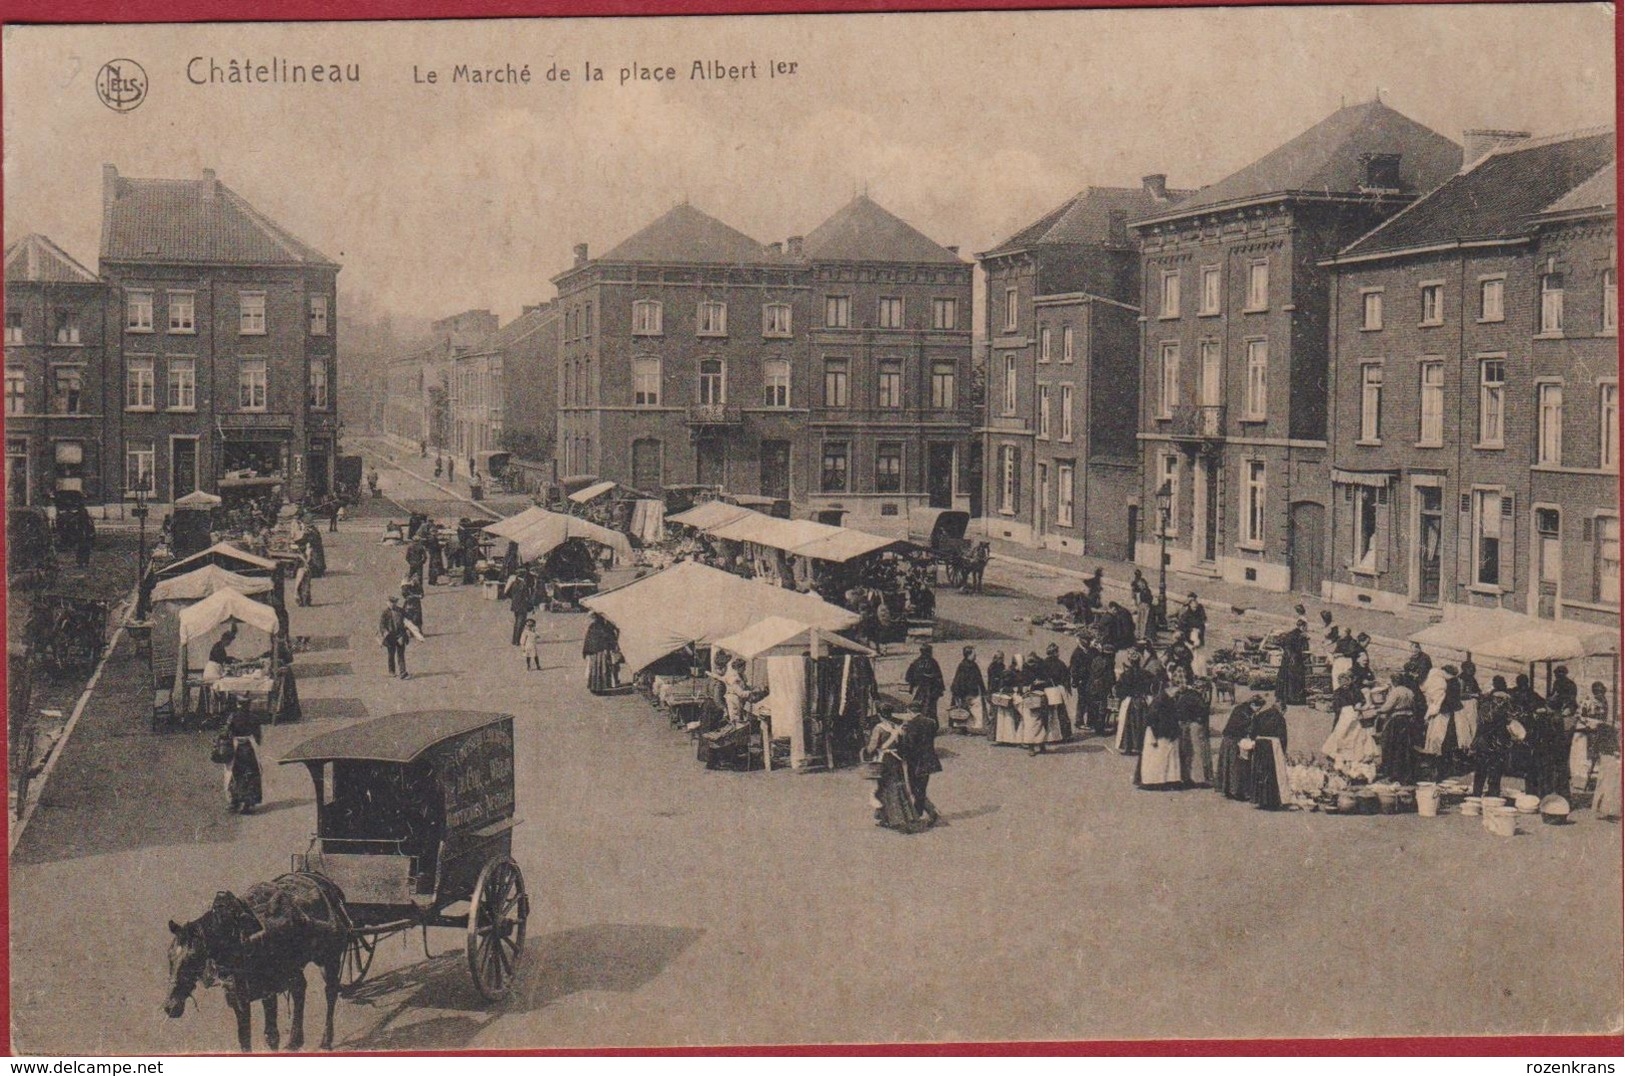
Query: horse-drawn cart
[414, 824]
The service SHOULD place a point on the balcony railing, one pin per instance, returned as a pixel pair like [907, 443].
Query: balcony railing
[714, 415]
[1203, 422]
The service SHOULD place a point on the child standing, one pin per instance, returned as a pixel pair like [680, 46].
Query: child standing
[530, 644]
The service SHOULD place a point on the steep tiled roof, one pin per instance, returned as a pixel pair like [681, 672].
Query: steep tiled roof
[1497, 197]
[36, 258]
[194, 220]
[686, 236]
[862, 231]
[516, 330]
[1325, 159]
[1095, 217]
[1598, 192]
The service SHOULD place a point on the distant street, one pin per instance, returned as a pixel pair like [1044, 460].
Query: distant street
[672, 905]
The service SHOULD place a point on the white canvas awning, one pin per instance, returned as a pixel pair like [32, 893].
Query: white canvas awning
[708, 514]
[507, 528]
[199, 584]
[1515, 637]
[223, 554]
[845, 545]
[198, 499]
[782, 635]
[693, 603]
[596, 490]
[221, 606]
[550, 530]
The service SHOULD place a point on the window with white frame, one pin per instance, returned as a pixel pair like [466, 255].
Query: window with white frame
[945, 313]
[889, 312]
[835, 387]
[776, 383]
[1168, 472]
[1009, 480]
[1549, 535]
[138, 311]
[889, 389]
[776, 319]
[181, 394]
[1605, 573]
[645, 381]
[1608, 425]
[648, 317]
[1492, 387]
[140, 464]
[318, 315]
[1067, 354]
[252, 387]
[1064, 480]
[1009, 384]
[251, 313]
[1211, 295]
[1492, 299]
[1370, 310]
[712, 319]
[1012, 310]
[1044, 344]
[1370, 530]
[1549, 423]
[1610, 300]
[1432, 304]
[1371, 402]
[69, 389]
[1258, 285]
[16, 391]
[1168, 369]
[713, 383]
[1043, 412]
[1252, 502]
[1551, 303]
[318, 384]
[1212, 373]
[1170, 294]
[1487, 508]
[942, 386]
[1258, 378]
[67, 327]
[837, 311]
[1066, 412]
[14, 327]
[889, 467]
[833, 477]
[138, 383]
[182, 307]
[1430, 431]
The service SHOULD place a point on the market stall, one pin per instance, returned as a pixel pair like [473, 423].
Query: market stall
[263, 683]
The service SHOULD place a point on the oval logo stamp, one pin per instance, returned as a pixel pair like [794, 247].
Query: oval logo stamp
[121, 84]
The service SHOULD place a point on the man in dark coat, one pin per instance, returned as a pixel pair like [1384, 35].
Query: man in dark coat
[1193, 621]
[416, 557]
[1493, 740]
[520, 601]
[1091, 591]
[1116, 628]
[1564, 695]
[1417, 665]
[924, 680]
[1102, 682]
[393, 635]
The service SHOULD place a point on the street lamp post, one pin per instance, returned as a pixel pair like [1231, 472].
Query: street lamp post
[1165, 497]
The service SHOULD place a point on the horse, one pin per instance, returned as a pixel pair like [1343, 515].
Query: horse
[256, 947]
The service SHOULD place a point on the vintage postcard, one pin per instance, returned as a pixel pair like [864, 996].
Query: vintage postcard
[977, 527]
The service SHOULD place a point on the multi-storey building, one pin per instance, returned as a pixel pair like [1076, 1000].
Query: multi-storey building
[1236, 307]
[831, 370]
[1062, 333]
[406, 397]
[225, 326]
[58, 394]
[507, 383]
[1475, 400]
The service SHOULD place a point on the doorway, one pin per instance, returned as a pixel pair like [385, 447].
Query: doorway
[710, 462]
[1041, 502]
[776, 469]
[1429, 537]
[939, 475]
[1306, 546]
[182, 466]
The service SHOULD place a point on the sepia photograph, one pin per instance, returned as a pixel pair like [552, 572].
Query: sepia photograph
[814, 531]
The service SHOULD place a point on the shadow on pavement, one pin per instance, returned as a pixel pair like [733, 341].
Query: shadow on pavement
[619, 957]
[311, 670]
[342, 709]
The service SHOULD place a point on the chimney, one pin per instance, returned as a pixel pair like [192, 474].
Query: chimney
[1477, 142]
[211, 183]
[1156, 185]
[109, 185]
[793, 244]
[581, 254]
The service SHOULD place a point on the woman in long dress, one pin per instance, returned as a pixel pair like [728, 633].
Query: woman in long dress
[1195, 745]
[1040, 720]
[242, 774]
[1234, 776]
[907, 756]
[1351, 746]
[1268, 757]
[600, 650]
[1158, 767]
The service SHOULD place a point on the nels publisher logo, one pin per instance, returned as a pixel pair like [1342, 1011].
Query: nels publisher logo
[121, 84]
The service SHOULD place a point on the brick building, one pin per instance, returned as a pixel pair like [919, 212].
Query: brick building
[225, 328]
[1233, 391]
[1475, 391]
[1062, 307]
[506, 383]
[58, 393]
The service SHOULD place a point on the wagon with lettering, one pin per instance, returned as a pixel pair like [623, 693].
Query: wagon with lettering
[414, 824]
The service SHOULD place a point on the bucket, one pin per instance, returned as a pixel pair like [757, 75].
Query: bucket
[1502, 821]
[1471, 807]
[1427, 800]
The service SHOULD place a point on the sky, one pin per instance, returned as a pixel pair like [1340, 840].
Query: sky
[447, 196]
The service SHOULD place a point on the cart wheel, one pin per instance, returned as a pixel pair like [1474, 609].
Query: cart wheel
[356, 962]
[496, 927]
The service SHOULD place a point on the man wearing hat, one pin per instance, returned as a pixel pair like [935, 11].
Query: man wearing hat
[392, 635]
[924, 680]
[1193, 621]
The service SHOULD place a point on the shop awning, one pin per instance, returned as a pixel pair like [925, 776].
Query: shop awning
[592, 492]
[779, 634]
[223, 554]
[708, 514]
[845, 545]
[507, 528]
[199, 584]
[1515, 637]
[552, 529]
[693, 603]
[221, 606]
[198, 499]
[1363, 478]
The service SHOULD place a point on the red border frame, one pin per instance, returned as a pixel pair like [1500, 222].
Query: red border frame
[177, 11]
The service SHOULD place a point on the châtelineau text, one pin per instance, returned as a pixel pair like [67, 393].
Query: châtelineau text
[207, 71]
